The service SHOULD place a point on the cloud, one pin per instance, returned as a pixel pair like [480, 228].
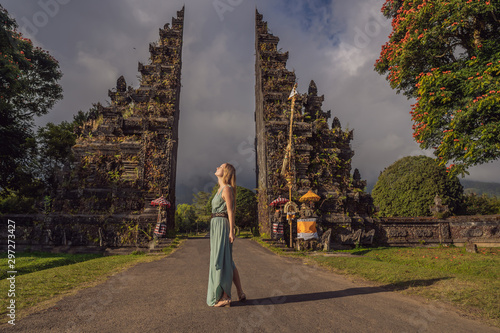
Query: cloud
[96, 66]
[334, 43]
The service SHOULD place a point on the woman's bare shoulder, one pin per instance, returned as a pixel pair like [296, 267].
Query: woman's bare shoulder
[227, 191]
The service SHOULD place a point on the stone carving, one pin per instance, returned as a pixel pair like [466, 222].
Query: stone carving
[439, 210]
[476, 232]
[306, 211]
[423, 233]
[359, 236]
[470, 247]
[397, 233]
[325, 239]
[444, 229]
[310, 244]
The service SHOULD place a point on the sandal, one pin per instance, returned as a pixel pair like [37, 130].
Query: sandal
[242, 297]
[223, 302]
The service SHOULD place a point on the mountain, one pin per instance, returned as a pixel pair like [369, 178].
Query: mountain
[472, 186]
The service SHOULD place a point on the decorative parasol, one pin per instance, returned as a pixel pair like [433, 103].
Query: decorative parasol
[310, 196]
[279, 202]
[161, 228]
[161, 201]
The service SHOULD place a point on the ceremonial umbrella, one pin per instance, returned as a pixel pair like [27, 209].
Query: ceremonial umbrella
[161, 201]
[279, 202]
[310, 196]
[161, 228]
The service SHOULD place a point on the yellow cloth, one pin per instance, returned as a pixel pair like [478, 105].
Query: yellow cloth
[308, 227]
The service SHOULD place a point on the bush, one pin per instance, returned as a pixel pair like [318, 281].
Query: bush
[15, 204]
[408, 187]
[481, 205]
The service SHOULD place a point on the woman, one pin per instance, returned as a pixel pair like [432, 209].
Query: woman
[222, 269]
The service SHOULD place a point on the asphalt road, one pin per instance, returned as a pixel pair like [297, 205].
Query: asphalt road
[284, 295]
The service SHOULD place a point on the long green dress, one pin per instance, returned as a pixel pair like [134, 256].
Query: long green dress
[220, 276]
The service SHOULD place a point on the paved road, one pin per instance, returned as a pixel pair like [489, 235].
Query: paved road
[285, 295]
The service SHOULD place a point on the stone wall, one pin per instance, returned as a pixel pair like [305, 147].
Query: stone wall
[47, 232]
[401, 231]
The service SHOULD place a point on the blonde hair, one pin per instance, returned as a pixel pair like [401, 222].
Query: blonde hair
[229, 177]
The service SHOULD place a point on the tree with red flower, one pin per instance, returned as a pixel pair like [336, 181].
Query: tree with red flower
[28, 88]
[446, 55]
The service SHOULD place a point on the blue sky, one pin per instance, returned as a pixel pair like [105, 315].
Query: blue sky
[334, 43]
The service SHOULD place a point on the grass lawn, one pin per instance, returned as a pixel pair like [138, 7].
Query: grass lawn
[44, 278]
[449, 274]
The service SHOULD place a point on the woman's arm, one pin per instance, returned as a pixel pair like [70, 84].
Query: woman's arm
[227, 195]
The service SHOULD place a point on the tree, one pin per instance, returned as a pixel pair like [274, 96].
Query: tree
[246, 212]
[408, 187]
[481, 204]
[46, 153]
[446, 54]
[185, 218]
[200, 201]
[28, 88]
[246, 207]
[55, 142]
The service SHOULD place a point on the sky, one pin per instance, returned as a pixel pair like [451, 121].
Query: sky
[335, 43]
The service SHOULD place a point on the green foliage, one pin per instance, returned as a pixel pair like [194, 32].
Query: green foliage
[408, 187]
[481, 205]
[185, 218]
[13, 202]
[56, 141]
[54, 144]
[47, 152]
[200, 201]
[246, 207]
[28, 88]
[446, 54]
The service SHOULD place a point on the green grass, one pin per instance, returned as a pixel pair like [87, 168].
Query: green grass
[278, 250]
[29, 262]
[449, 274]
[41, 283]
[245, 234]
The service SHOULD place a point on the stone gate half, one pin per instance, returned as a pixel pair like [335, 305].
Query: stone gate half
[322, 154]
[126, 155]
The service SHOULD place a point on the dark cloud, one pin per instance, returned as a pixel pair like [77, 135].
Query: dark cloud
[334, 43]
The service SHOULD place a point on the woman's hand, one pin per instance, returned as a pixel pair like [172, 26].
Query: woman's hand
[231, 236]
